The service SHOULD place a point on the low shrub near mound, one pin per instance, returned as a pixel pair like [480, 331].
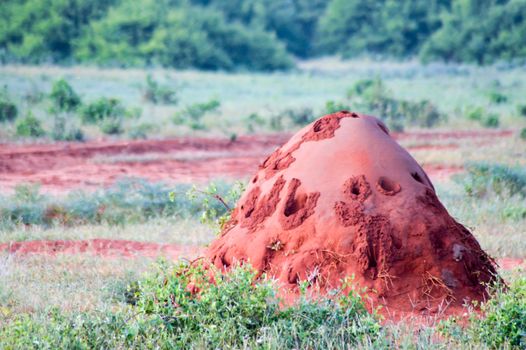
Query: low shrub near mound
[186, 306]
[503, 320]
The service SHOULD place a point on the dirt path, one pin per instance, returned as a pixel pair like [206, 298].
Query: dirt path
[60, 167]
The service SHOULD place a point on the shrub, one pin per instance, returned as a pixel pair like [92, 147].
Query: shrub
[111, 126]
[157, 93]
[29, 126]
[497, 97]
[64, 98]
[501, 179]
[371, 96]
[502, 324]
[492, 120]
[102, 109]
[300, 116]
[142, 130]
[183, 307]
[522, 135]
[475, 113]
[333, 107]
[63, 131]
[193, 114]
[8, 109]
[522, 110]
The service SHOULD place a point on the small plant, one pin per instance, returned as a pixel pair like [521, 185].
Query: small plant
[521, 109]
[497, 97]
[29, 126]
[192, 115]
[522, 134]
[142, 130]
[216, 205]
[64, 131]
[158, 94]
[492, 120]
[64, 98]
[254, 121]
[475, 113]
[8, 109]
[111, 126]
[102, 109]
[501, 179]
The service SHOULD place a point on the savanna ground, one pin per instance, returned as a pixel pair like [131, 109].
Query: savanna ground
[151, 176]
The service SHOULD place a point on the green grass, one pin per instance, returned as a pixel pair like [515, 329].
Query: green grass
[454, 90]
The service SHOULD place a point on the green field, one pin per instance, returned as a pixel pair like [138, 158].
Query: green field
[83, 301]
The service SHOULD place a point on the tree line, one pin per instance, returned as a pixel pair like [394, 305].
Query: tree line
[258, 34]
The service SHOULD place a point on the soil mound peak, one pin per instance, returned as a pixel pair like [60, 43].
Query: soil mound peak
[341, 198]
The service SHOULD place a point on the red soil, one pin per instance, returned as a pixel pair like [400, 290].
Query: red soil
[61, 167]
[101, 247]
[341, 198]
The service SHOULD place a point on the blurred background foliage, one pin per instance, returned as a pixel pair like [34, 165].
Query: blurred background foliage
[260, 35]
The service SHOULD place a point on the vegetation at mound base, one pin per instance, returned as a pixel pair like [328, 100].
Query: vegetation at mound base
[258, 34]
[186, 306]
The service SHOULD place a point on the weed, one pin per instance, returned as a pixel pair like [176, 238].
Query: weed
[8, 109]
[29, 126]
[497, 97]
[482, 178]
[101, 110]
[193, 114]
[158, 94]
[63, 97]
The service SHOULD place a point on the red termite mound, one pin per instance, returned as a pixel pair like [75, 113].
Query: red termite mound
[341, 198]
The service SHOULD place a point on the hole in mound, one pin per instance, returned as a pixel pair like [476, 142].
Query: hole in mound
[344, 111]
[357, 188]
[318, 126]
[383, 128]
[354, 115]
[417, 177]
[255, 179]
[296, 204]
[387, 186]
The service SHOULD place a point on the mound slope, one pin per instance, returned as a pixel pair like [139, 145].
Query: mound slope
[341, 198]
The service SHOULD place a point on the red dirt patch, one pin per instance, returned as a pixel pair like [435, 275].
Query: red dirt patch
[101, 247]
[357, 204]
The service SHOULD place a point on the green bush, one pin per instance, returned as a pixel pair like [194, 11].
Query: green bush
[8, 109]
[102, 109]
[492, 120]
[502, 324]
[181, 307]
[157, 93]
[497, 97]
[63, 97]
[111, 126]
[193, 114]
[522, 134]
[501, 179]
[29, 126]
[521, 109]
[372, 96]
[63, 130]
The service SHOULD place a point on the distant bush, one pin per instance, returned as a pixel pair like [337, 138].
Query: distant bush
[333, 106]
[158, 94]
[521, 109]
[484, 177]
[102, 109]
[63, 130]
[491, 120]
[193, 114]
[8, 109]
[254, 121]
[522, 134]
[142, 130]
[111, 126]
[29, 126]
[371, 96]
[64, 98]
[497, 97]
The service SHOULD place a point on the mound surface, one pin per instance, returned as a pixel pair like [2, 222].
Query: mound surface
[341, 198]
